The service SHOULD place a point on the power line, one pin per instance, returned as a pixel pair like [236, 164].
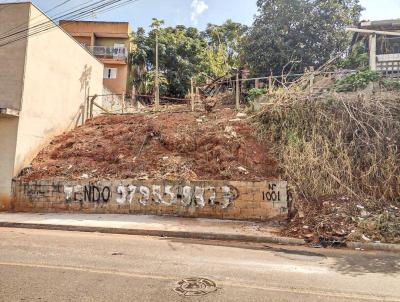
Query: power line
[118, 6]
[77, 15]
[50, 21]
[27, 23]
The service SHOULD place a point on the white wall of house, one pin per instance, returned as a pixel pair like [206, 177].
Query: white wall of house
[8, 142]
[58, 76]
[12, 56]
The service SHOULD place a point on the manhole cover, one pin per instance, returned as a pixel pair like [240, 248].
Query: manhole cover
[195, 287]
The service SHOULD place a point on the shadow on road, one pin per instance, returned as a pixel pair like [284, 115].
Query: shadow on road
[360, 264]
[344, 261]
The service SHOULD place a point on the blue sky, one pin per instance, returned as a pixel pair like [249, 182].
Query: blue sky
[200, 12]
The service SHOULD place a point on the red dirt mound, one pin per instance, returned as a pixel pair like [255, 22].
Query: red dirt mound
[166, 145]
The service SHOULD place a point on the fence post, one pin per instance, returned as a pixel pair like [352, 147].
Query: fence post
[83, 120]
[237, 92]
[270, 83]
[372, 52]
[197, 96]
[86, 109]
[191, 94]
[134, 103]
[91, 108]
[123, 102]
[312, 79]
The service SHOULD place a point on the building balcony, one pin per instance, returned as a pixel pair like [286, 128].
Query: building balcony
[114, 53]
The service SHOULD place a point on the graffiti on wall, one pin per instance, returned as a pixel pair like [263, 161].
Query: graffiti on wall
[168, 195]
[196, 195]
[36, 190]
[88, 193]
[278, 195]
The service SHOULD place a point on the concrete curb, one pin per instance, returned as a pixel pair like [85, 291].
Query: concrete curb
[195, 235]
[374, 246]
[157, 233]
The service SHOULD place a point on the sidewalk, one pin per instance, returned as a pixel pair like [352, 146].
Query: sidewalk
[162, 226]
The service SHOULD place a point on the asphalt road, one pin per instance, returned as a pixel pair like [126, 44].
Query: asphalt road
[39, 265]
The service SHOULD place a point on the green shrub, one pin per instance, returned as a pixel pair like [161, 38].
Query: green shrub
[357, 58]
[357, 80]
[255, 93]
[391, 84]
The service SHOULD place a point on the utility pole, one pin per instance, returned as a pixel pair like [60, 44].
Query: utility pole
[237, 92]
[156, 80]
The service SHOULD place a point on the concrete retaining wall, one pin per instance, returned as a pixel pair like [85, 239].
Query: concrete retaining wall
[210, 199]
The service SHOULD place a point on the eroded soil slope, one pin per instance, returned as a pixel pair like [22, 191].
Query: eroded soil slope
[166, 145]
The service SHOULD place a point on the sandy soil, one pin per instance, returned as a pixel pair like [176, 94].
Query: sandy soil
[175, 144]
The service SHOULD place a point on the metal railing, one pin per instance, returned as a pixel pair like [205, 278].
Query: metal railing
[117, 53]
[389, 64]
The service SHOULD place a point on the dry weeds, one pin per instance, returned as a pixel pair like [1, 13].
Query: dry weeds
[339, 145]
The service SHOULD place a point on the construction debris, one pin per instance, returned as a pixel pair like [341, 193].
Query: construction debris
[343, 218]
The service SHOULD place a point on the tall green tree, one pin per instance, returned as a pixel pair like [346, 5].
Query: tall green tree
[182, 55]
[224, 46]
[295, 34]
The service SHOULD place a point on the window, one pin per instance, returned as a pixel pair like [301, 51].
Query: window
[110, 73]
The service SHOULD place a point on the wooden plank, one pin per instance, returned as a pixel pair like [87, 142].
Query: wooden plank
[377, 32]
[98, 106]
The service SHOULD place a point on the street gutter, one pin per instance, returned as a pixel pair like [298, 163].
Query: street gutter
[195, 235]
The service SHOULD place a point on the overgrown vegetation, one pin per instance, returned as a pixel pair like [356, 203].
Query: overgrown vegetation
[341, 154]
[391, 84]
[343, 145]
[255, 93]
[358, 80]
[358, 58]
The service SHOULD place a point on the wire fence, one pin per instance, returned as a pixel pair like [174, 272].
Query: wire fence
[312, 82]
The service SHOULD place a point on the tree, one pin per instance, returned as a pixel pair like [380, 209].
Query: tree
[139, 62]
[224, 41]
[184, 52]
[298, 33]
[182, 55]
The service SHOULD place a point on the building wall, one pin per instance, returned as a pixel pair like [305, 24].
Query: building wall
[59, 74]
[89, 27]
[118, 85]
[8, 140]
[12, 56]
[105, 34]
[109, 42]
[84, 40]
[260, 201]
